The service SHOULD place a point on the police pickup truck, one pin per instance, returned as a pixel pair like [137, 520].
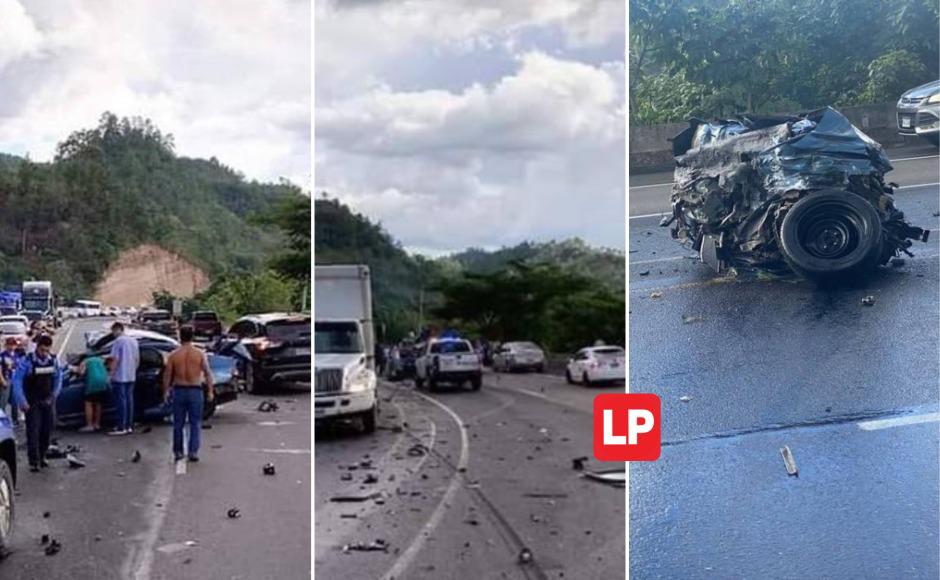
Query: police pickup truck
[447, 360]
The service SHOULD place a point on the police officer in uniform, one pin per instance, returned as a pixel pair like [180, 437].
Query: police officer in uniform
[36, 384]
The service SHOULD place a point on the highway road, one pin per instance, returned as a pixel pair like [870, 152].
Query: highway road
[747, 366]
[149, 520]
[457, 484]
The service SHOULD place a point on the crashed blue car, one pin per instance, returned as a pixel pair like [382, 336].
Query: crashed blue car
[7, 480]
[148, 400]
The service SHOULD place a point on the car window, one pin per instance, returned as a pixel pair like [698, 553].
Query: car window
[451, 346]
[243, 329]
[608, 352]
[582, 355]
[151, 358]
[288, 330]
[205, 316]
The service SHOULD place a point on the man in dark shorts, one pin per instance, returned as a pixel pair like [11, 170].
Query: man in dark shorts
[186, 369]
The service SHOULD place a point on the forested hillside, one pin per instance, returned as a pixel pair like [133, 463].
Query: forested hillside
[119, 185]
[474, 288]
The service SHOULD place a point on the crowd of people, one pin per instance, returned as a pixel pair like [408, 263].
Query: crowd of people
[32, 377]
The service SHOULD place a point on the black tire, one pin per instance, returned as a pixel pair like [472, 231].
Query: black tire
[568, 377]
[540, 369]
[476, 382]
[830, 235]
[7, 506]
[586, 380]
[252, 384]
[369, 419]
[432, 383]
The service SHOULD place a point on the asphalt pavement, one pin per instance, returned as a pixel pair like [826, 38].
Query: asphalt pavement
[458, 484]
[747, 366]
[153, 519]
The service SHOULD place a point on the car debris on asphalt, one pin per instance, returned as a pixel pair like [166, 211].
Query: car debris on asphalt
[577, 463]
[74, 462]
[268, 469]
[685, 398]
[267, 406]
[234, 513]
[789, 461]
[868, 301]
[376, 546]
[136, 457]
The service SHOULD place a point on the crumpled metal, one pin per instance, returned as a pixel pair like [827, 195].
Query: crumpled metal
[735, 179]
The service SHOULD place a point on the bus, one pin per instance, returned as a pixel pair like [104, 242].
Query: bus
[88, 308]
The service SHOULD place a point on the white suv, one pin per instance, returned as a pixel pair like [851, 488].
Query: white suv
[448, 360]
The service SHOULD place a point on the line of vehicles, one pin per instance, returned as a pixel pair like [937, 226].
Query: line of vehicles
[346, 370]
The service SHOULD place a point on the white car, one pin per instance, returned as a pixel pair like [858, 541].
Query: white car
[15, 318]
[448, 360]
[596, 364]
[512, 356]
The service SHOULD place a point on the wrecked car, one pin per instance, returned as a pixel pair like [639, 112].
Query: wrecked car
[805, 193]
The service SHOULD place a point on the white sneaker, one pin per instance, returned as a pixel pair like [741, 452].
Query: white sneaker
[86, 429]
[118, 432]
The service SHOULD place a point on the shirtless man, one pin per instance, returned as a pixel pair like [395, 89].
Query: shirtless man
[185, 370]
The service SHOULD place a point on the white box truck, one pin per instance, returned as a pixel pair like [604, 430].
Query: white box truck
[344, 345]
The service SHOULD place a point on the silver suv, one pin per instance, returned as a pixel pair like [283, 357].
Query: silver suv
[919, 112]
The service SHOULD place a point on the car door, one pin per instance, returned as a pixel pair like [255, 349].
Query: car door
[577, 364]
[148, 396]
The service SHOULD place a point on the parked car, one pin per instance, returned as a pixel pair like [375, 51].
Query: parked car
[918, 112]
[596, 364]
[15, 318]
[279, 344]
[515, 356]
[148, 400]
[158, 320]
[448, 360]
[33, 315]
[7, 481]
[206, 324]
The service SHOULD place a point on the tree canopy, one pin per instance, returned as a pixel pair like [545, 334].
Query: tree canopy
[715, 58]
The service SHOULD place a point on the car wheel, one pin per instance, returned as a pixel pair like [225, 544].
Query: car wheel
[476, 382]
[7, 501]
[369, 419]
[432, 383]
[831, 234]
[568, 377]
[540, 368]
[252, 384]
[585, 379]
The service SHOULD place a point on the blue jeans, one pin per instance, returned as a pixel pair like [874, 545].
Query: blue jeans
[187, 404]
[124, 404]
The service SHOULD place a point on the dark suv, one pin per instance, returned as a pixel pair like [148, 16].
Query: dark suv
[279, 345]
[158, 321]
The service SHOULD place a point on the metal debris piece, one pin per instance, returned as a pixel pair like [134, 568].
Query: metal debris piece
[354, 498]
[685, 398]
[644, 273]
[525, 556]
[136, 457]
[46, 514]
[267, 406]
[614, 477]
[577, 463]
[74, 462]
[44, 539]
[346, 477]
[268, 469]
[545, 495]
[868, 301]
[789, 461]
[655, 295]
[54, 452]
[371, 478]
[417, 450]
[376, 546]
[53, 548]
[234, 513]
[690, 318]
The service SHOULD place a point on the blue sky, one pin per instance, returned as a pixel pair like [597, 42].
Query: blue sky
[478, 123]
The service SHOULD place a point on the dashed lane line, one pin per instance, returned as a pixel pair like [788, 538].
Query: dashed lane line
[898, 421]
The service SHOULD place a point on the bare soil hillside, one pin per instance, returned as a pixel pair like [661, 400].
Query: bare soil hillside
[139, 272]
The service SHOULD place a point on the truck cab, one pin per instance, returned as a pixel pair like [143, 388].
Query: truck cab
[448, 360]
[344, 381]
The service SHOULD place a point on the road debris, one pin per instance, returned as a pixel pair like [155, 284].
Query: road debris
[868, 301]
[346, 477]
[74, 462]
[54, 452]
[46, 514]
[644, 273]
[234, 513]
[267, 406]
[789, 461]
[53, 548]
[685, 398]
[577, 463]
[525, 556]
[136, 457]
[655, 295]
[268, 469]
[614, 477]
[417, 450]
[690, 318]
[545, 495]
[354, 498]
[376, 546]
[370, 479]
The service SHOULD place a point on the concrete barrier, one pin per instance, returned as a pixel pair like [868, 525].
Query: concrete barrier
[651, 151]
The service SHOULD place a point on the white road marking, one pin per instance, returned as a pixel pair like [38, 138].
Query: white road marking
[661, 260]
[918, 185]
[273, 423]
[650, 185]
[181, 467]
[649, 215]
[913, 158]
[408, 555]
[65, 339]
[898, 421]
[139, 560]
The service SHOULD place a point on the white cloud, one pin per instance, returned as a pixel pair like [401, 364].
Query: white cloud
[229, 79]
[536, 155]
[17, 31]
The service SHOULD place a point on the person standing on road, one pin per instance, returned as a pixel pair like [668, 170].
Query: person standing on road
[8, 360]
[36, 384]
[125, 356]
[96, 388]
[186, 369]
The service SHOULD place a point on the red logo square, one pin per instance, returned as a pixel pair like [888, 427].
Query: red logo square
[627, 427]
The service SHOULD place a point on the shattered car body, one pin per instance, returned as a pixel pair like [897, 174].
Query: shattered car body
[804, 192]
